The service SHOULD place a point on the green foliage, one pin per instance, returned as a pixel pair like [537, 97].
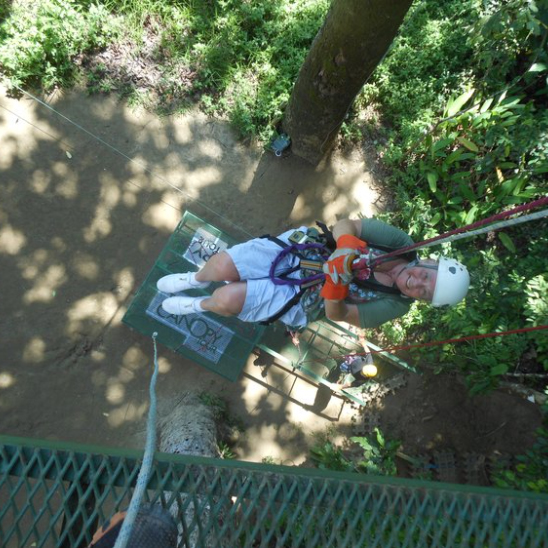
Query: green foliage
[225, 452]
[531, 471]
[536, 310]
[378, 455]
[247, 56]
[242, 57]
[445, 48]
[509, 41]
[490, 155]
[328, 456]
[427, 59]
[271, 461]
[38, 42]
[469, 138]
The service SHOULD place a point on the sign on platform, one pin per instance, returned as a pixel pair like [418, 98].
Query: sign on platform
[203, 246]
[202, 334]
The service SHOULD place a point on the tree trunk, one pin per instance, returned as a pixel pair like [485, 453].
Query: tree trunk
[353, 40]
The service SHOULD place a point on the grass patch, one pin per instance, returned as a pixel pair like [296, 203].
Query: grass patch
[39, 41]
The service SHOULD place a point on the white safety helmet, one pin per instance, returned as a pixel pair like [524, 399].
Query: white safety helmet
[452, 282]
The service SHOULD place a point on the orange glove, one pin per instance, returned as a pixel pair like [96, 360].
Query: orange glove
[350, 242]
[339, 265]
[333, 292]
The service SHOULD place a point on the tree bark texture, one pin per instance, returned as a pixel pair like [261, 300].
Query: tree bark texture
[353, 40]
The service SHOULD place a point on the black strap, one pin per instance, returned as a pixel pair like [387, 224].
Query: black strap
[281, 243]
[376, 286]
[330, 242]
[288, 305]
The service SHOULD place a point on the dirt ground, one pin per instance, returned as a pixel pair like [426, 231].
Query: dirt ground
[82, 220]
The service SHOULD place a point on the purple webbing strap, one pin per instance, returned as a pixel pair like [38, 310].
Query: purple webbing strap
[295, 281]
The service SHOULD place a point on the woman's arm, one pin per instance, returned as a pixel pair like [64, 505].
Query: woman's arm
[339, 311]
[347, 226]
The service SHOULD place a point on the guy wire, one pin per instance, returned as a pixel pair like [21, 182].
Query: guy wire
[111, 147]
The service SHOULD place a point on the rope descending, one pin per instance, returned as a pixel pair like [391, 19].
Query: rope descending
[447, 236]
[148, 459]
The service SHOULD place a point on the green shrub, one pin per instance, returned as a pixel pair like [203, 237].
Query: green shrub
[464, 90]
[509, 42]
[377, 456]
[245, 56]
[39, 42]
[427, 60]
[531, 470]
[248, 56]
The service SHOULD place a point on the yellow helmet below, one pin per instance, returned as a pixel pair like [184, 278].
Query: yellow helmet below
[369, 370]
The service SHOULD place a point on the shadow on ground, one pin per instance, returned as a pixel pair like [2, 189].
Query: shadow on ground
[82, 220]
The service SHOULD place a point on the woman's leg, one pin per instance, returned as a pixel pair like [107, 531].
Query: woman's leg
[227, 300]
[220, 268]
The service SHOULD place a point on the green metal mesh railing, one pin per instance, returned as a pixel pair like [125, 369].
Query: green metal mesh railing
[55, 495]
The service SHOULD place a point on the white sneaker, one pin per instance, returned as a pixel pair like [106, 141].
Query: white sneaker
[180, 306]
[173, 283]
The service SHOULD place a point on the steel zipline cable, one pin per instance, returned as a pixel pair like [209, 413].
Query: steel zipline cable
[5, 79]
[469, 230]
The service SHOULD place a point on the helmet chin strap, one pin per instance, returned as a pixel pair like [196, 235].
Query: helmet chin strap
[417, 262]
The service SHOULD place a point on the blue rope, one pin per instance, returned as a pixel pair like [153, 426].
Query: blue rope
[148, 458]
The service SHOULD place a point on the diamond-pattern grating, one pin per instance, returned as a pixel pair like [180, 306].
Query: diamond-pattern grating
[56, 495]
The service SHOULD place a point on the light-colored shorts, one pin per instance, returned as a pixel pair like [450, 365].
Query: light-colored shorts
[263, 298]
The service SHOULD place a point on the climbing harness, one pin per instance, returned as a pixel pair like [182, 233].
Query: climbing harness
[297, 249]
[301, 243]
